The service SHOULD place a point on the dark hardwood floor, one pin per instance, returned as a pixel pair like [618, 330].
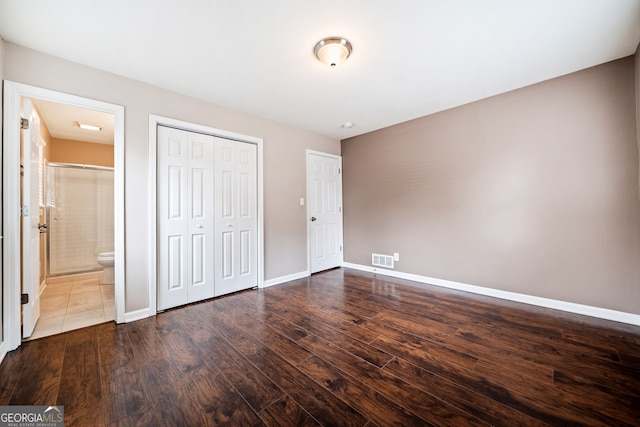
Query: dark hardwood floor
[340, 348]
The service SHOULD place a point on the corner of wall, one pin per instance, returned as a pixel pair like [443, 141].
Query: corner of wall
[1, 59]
[1, 256]
[636, 58]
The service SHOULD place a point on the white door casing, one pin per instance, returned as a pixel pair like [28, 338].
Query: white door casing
[185, 217]
[154, 261]
[236, 207]
[30, 221]
[12, 96]
[207, 216]
[324, 211]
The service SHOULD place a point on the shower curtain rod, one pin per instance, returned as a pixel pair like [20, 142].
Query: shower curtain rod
[76, 166]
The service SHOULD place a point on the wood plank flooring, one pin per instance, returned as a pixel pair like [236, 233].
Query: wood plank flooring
[341, 348]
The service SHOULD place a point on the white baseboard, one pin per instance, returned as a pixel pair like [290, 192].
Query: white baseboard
[284, 279]
[145, 312]
[132, 316]
[601, 313]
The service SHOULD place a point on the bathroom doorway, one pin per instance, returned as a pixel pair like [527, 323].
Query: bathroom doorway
[21, 298]
[76, 192]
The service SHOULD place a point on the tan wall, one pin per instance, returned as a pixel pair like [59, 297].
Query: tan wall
[1, 207]
[637, 69]
[284, 158]
[80, 152]
[534, 191]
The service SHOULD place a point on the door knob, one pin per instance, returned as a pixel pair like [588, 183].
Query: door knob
[313, 218]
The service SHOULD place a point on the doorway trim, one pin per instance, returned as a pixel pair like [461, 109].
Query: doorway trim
[154, 122]
[11, 200]
[308, 212]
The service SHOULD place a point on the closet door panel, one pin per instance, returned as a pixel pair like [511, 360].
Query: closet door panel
[185, 217]
[201, 217]
[236, 219]
[247, 221]
[172, 218]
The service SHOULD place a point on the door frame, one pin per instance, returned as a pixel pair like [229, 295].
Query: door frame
[308, 213]
[11, 200]
[154, 122]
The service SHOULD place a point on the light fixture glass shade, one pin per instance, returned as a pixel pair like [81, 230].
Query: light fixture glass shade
[332, 51]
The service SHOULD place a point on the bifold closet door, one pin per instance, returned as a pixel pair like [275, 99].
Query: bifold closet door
[185, 217]
[236, 216]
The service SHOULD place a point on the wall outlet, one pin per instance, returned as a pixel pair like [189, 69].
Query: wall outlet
[396, 256]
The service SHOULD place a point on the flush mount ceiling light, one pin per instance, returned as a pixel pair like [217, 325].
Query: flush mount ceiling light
[87, 126]
[332, 51]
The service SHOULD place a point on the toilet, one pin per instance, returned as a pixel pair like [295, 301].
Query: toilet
[106, 260]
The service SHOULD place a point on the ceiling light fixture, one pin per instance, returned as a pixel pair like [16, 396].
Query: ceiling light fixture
[332, 50]
[87, 126]
[347, 125]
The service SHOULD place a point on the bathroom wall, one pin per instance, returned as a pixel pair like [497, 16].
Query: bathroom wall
[81, 152]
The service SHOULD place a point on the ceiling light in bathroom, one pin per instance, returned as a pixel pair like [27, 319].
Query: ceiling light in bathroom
[88, 126]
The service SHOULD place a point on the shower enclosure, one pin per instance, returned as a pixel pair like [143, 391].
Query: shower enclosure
[80, 217]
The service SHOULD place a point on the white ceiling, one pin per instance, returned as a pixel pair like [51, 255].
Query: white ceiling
[410, 57]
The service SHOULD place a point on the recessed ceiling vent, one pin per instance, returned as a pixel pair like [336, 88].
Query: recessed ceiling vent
[385, 261]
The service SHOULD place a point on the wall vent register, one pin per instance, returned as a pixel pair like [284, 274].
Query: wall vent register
[385, 261]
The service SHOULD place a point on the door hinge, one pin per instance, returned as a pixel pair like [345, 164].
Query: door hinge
[339, 209]
[24, 123]
[24, 299]
[24, 210]
[340, 248]
[339, 171]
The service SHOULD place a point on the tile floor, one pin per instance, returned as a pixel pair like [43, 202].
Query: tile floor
[74, 302]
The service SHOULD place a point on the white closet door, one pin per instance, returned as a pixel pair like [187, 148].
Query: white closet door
[185, 217]
[236, 216]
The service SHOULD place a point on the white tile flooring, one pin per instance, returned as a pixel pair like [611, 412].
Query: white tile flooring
[74, 302]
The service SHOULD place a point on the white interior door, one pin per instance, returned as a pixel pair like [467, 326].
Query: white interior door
[324, 208]
[30, 221]
[236, 216]
[185, 217]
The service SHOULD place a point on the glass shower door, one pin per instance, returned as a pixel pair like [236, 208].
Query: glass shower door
[80, 217]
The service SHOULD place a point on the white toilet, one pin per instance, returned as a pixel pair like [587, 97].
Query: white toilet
[106, 260]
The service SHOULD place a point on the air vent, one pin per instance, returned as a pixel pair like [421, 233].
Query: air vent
[385, 261]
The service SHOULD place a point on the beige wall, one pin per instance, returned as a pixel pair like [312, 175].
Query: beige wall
[80, 152]
[637, 80]
[1, 208]
[284, 158]
[534, 191]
